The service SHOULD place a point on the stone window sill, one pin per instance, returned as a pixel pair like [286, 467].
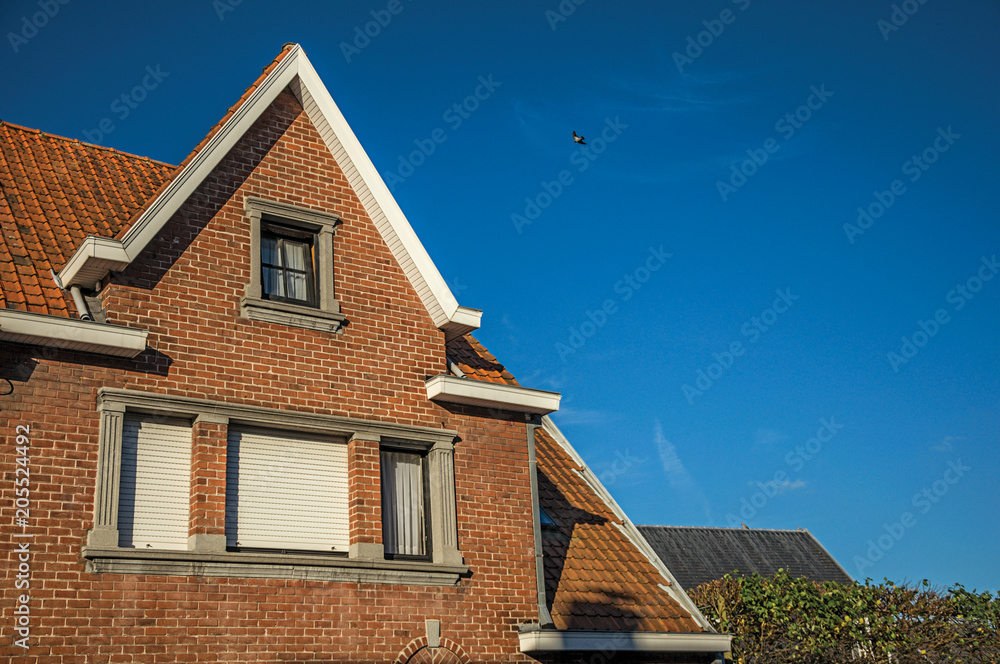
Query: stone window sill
[293, 315]
[245, 564]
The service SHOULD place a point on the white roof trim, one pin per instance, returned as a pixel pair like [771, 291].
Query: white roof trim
[92, 260]
[296, 71]
[628, 528]
[542, 640]
[71, 334]
[454, 389]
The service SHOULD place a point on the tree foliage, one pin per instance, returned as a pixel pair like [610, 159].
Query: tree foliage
[779, 619]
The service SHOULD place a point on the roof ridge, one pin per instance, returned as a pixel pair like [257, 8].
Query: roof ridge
[32, 130]
[747, 530]
[285, 50]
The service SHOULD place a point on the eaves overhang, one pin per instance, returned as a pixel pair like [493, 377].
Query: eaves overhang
[93, 259]
[534, 640]
[461, 322]
[98, 256]
[453, 389]
[70, 334]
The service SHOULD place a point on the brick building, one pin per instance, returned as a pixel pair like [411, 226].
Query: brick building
[245, 420]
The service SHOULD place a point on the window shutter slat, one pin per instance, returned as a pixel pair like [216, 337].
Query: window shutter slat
[155, 483]
[286, 492]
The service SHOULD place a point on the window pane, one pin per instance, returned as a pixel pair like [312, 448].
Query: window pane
[286, 267]
[402, 503]
[269, 250]
[296, 286]
[295, 254]
[272, 284]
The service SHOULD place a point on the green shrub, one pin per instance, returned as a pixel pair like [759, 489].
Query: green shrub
[779, 619]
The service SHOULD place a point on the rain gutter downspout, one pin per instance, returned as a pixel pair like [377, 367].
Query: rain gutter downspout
[533, 422]
[81, 304]
[544, 619]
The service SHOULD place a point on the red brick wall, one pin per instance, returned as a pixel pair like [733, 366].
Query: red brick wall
[364, 506]
[185, 290]
[208, 479]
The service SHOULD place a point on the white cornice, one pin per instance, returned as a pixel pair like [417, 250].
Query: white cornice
[557, 640]
[94, 258]
[70, 334]
[89, 264]
[468, 391]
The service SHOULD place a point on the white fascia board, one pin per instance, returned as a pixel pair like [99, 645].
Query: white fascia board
[464, 320]
[71, 334]
[541, 640]
[454, 389]
[383, 208]
[184, 184]
[94, 258]
[371, 189]
[628, 528]
[85, 267]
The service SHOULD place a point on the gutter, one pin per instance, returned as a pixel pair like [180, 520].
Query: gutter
[534, 640]
[71, 334]
[455, 389]
[544, 618]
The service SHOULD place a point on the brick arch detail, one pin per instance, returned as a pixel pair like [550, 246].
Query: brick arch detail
[410, 652]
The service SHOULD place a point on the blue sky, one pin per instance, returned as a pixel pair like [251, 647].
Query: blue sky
[728, 350]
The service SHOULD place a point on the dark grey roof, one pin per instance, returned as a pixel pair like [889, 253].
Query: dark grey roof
[697, 555]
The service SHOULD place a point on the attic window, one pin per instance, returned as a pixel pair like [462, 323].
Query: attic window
[291, 267]
[287, 262]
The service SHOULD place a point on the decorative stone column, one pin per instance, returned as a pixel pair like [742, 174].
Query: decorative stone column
[444, 519]
[104, 534]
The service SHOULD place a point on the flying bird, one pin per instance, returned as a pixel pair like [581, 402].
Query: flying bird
[578, 139]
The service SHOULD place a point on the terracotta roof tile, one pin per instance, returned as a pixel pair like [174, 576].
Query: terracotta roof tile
[54, 192]
[476, 362]
[595, 577]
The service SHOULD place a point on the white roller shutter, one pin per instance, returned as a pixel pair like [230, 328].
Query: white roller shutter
[155, 486]
[286, 491]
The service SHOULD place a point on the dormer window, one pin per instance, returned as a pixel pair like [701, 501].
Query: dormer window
[291, 267]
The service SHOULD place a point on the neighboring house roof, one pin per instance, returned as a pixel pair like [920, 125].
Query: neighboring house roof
[474, 361]
[54, 192]
[699, 555]
[600, 574]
